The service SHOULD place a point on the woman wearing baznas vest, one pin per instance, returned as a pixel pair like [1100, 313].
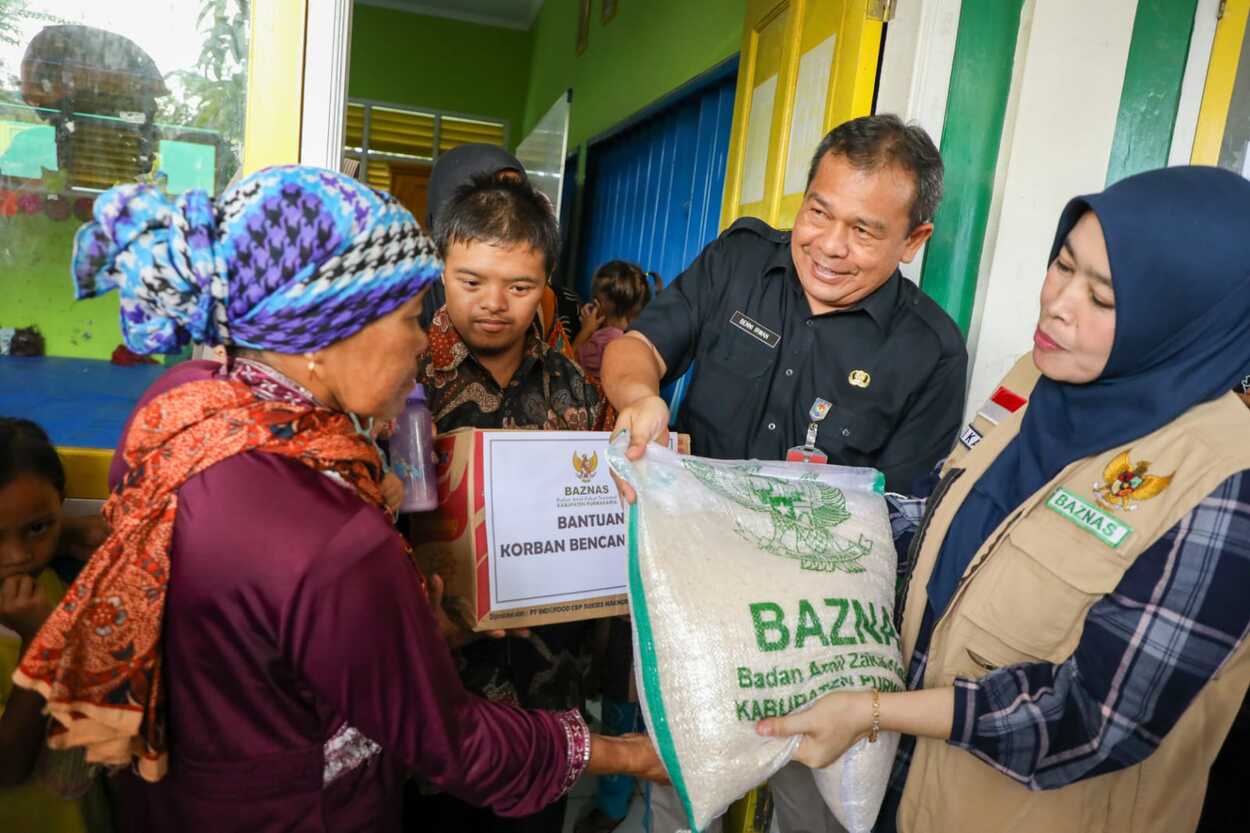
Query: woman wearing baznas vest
[1074, 616]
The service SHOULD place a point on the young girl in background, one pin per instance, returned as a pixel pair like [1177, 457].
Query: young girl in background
[619, 292]
[32, 489]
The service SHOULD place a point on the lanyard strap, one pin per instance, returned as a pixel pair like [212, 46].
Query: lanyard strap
[819, 410]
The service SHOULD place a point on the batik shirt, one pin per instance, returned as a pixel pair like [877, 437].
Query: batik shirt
[548, 392]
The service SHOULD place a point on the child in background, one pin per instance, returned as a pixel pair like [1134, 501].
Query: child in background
[32, 489]
[619, 292]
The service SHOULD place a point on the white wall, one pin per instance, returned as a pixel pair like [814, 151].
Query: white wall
[916, 72]
[1070, 64]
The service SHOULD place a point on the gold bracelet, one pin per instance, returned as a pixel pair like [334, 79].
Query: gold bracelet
[876, 717]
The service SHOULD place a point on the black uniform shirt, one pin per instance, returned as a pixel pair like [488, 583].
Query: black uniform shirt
[762, 360]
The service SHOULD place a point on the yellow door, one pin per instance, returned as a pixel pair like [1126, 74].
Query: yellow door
[806, 66]
[1223, 134]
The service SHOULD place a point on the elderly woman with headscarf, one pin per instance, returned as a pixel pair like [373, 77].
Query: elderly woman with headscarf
[253, 637]
[1076, 618]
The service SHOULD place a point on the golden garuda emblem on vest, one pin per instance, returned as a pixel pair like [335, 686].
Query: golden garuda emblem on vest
[1125, 484]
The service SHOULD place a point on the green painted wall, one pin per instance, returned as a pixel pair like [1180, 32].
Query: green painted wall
[1152, 86]
[985, 49]
[649, 49]
[35, 288]
[443, 64]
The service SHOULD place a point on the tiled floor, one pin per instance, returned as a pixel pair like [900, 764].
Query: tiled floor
[582, 800]
[582, 797]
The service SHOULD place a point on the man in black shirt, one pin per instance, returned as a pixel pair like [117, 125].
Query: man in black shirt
[807, 344]
[810, 344]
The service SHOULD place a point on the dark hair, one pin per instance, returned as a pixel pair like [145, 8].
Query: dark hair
[491, 210]
[26, 449]
[624, 286]
[873, 142]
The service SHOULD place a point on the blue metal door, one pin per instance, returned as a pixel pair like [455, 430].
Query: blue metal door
[653, 191]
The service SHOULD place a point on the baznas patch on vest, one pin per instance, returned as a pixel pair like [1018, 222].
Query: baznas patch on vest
[1111, 531]
[1001, 405]
[1125, 484]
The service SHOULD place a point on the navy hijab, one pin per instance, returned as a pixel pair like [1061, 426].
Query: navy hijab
[1178, 241]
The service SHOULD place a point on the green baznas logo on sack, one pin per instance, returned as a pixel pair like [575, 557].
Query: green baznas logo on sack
[792, 519]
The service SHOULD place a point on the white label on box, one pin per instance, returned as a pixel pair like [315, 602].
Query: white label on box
[555, 529]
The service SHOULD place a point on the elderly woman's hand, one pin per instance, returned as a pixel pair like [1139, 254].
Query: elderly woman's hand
[632, 754]
[454, 628]
[392, 491]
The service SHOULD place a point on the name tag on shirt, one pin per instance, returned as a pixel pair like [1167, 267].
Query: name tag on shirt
[755, 329]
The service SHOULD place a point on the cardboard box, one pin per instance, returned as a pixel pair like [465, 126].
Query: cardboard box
[529, 529]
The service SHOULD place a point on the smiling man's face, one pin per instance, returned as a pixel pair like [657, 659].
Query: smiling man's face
[852, 231]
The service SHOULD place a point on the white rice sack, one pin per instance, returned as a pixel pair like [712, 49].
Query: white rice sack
[756, 588]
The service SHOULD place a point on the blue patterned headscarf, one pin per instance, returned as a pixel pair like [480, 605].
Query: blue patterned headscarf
[291, 259]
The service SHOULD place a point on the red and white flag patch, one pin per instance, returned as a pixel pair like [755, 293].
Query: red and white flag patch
[1002, 404]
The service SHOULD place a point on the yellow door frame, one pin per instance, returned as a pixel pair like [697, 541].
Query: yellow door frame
[851, 85]
[275, 84]
[761, 14]
[1217, 94]
[852, 79]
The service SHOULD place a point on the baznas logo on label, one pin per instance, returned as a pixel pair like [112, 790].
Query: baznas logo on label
[586, 465]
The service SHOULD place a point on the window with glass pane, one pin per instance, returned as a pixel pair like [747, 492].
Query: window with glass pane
[95, 94]
[397, 146]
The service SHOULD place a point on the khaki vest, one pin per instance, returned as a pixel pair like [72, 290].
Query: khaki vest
[1024, 598]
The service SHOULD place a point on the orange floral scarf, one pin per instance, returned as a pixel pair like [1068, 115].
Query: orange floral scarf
[97, 660]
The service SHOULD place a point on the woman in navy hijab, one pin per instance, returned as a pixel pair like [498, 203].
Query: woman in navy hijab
[1075, 617]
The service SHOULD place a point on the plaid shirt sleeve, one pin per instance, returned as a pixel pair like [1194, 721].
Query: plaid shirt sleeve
[906, 513]
[1148, 648]
[905, 516]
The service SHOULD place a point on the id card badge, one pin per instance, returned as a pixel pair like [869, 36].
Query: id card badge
[806, 454]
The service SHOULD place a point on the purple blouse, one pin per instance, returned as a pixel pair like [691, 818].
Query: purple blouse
[590, 354]
[306, 673]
